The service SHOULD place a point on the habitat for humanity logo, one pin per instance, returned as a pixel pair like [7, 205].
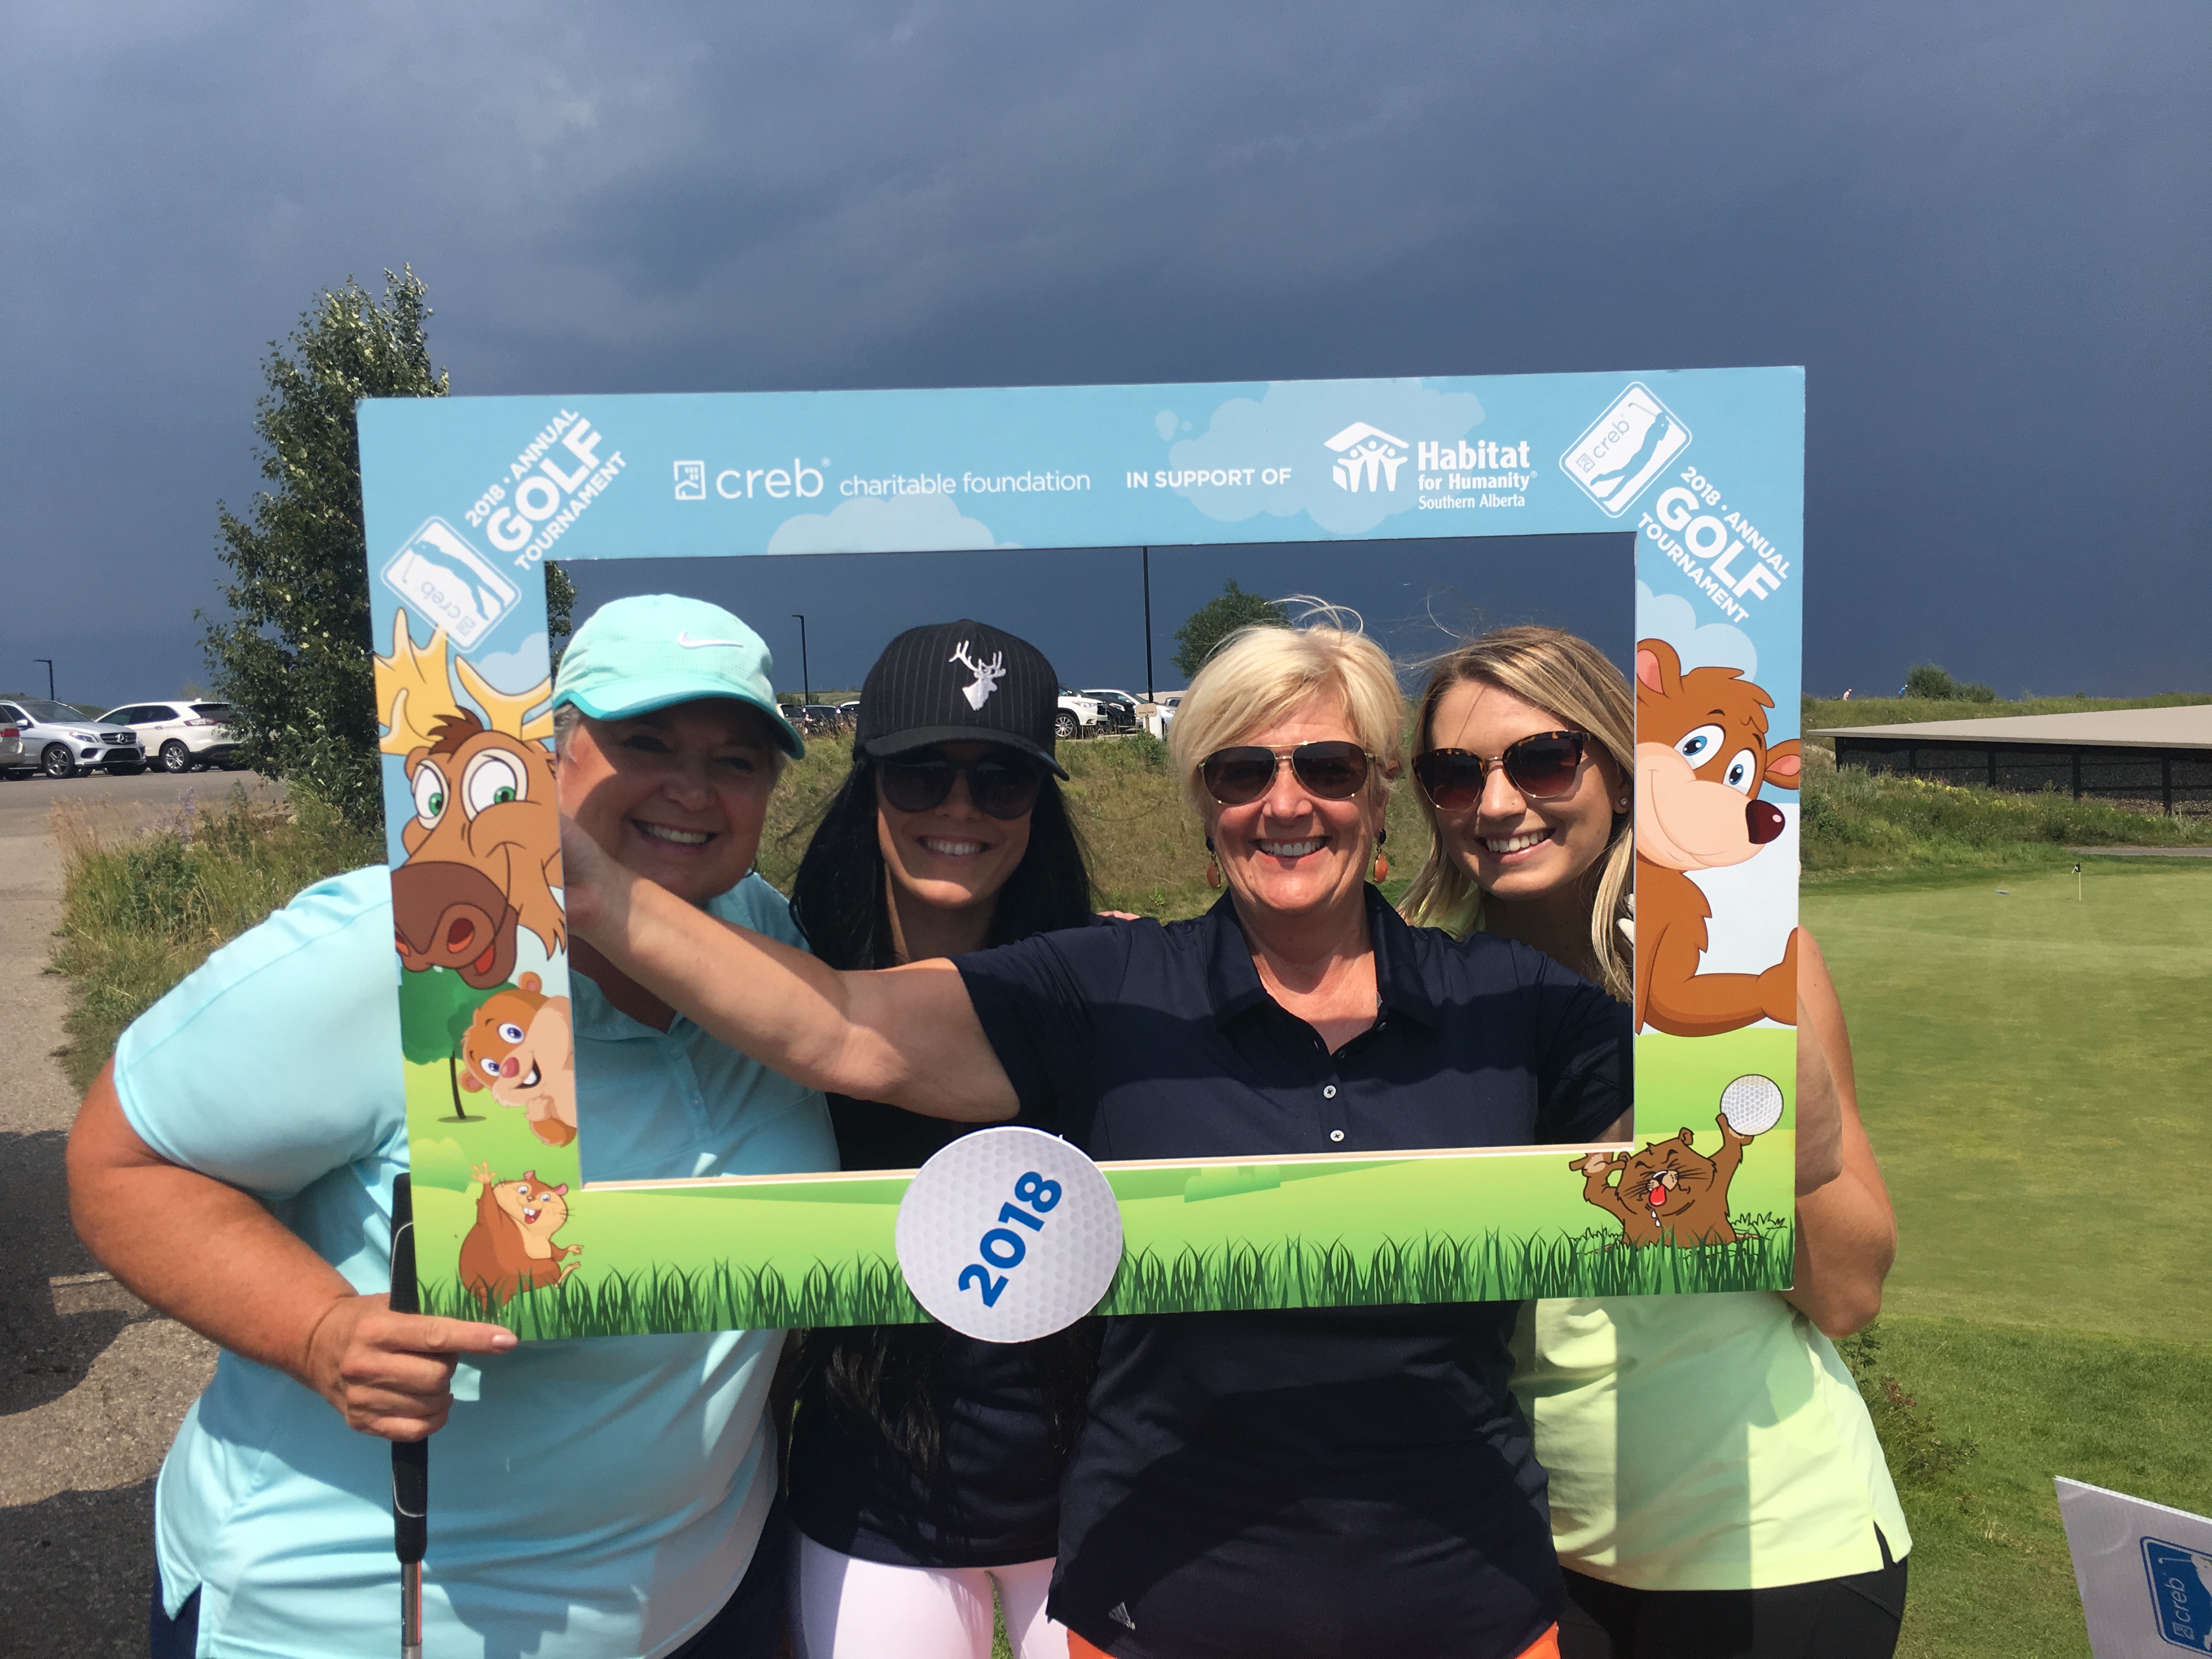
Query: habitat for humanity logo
[1625, 448]
[1369, 457]
[448, 581]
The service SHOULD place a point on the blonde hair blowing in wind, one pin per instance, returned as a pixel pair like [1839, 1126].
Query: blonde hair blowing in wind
[1568, 676]
[1259, 674]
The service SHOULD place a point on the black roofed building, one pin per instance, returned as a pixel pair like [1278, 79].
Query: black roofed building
[2152, 759]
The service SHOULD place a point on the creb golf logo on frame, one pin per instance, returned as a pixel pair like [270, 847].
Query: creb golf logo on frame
[466, 497]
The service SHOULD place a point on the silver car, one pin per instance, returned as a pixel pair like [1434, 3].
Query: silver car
[180, 735]
[59, 741]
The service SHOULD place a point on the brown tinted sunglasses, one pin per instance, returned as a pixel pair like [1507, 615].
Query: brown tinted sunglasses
[1335, 770]
[1542, 767]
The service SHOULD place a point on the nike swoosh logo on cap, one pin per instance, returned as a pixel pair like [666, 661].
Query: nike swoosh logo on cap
[686, 640]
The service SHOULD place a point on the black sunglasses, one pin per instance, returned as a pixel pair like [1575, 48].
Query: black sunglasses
[1002, 786]
[1335, 770]
[1542, 767]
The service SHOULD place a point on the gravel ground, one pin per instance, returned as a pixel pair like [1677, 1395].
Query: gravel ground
[91, 1385]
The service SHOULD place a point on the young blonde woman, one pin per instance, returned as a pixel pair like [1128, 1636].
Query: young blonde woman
[1717, 1489]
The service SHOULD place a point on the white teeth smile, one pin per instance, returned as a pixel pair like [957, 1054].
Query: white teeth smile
[1519, 843]
[530, 1082]
[676, 837]
[952, 849]
[1290, 849]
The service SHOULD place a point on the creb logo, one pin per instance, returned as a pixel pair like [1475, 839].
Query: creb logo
[1368, 458]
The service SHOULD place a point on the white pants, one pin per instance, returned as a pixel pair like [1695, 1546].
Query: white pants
[843, 1608]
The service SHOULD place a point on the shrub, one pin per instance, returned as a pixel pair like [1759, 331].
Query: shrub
[1928, 679]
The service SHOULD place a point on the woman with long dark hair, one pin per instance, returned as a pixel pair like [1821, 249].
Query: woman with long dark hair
[925, 1464]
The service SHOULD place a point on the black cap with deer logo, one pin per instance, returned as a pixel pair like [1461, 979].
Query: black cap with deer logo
[959, 681]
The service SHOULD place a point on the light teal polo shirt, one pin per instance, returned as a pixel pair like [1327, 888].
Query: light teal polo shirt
[592, 1499]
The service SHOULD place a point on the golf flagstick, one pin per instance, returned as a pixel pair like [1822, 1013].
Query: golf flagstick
[411, 1459]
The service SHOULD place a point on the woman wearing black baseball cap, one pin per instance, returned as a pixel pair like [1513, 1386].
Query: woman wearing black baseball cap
[925, 1463]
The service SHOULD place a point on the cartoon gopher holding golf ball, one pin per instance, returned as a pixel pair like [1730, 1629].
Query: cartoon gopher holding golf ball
[1671, 1194]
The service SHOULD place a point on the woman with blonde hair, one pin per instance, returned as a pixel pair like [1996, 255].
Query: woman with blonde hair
[1717, 1491]
[1298, 1482]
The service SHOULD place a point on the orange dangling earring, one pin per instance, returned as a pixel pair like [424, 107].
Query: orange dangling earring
[1213, 865]
[1382, 858]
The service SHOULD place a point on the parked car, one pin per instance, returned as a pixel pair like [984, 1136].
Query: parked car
[1167, 702]
[181, 735]
[1119, 707]
[1078, 716]
[851, 713]
[820, 720]
[61, 742]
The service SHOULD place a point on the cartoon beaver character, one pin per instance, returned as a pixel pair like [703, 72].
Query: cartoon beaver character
[1701, 757]
[522, 1046]
[1670, 1193]
[510, 1248]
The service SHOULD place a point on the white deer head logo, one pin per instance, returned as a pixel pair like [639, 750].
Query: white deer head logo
[987, 674]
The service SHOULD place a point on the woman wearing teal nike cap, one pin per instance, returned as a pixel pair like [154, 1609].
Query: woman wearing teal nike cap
[234, 1166]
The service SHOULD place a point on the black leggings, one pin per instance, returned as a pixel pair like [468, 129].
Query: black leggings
[1852, 1617]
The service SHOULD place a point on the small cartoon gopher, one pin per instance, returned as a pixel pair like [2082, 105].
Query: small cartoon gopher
[1670, 1193]
[522, 1046]
[510, 1248]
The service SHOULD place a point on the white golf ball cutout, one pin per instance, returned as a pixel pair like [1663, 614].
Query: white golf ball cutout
[1752, 1104]
[1008, 1234]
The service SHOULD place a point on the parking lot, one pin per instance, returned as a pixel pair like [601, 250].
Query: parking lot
[94, 1386]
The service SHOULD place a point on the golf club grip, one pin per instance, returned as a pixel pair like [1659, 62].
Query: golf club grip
[410, 1460]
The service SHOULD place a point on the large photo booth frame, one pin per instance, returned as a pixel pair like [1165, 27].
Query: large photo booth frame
[466, 498]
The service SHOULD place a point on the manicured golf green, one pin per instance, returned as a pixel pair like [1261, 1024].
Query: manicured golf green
[2035, 1071]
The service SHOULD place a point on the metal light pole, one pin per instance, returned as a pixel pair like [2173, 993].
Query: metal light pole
[806, 679]
[1148, 627]
[48, 662]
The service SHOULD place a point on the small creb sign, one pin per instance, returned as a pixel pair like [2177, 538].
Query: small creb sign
[2181, 1590]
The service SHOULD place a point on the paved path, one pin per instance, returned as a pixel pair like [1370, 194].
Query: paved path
[92, 1386]
[2145, 852]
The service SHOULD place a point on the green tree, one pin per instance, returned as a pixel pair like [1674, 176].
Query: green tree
[1928, 679]
[293, 657]
[1216, 619]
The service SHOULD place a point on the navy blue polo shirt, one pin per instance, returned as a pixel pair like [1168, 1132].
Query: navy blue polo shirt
[1318, 1481]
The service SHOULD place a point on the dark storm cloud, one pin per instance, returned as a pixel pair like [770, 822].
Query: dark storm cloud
[1981, 228]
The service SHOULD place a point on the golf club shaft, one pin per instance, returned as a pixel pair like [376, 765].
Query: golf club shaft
[410, 1460]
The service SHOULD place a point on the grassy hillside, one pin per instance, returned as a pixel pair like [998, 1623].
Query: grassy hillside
[1853, 820]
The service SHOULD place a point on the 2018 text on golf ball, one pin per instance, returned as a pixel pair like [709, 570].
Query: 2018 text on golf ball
[1002, 1248]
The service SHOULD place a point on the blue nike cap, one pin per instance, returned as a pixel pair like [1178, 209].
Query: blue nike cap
[654, 650]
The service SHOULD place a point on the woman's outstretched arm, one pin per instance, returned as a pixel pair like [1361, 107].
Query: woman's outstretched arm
[1846, 1230]
[907, 1037]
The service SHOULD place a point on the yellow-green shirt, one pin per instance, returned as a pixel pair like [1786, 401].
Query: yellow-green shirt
[1702, 1442]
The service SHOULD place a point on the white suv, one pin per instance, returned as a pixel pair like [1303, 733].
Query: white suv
[1078, 716]
[180, 736]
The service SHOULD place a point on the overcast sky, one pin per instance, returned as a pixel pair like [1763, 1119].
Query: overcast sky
[1982, 229]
